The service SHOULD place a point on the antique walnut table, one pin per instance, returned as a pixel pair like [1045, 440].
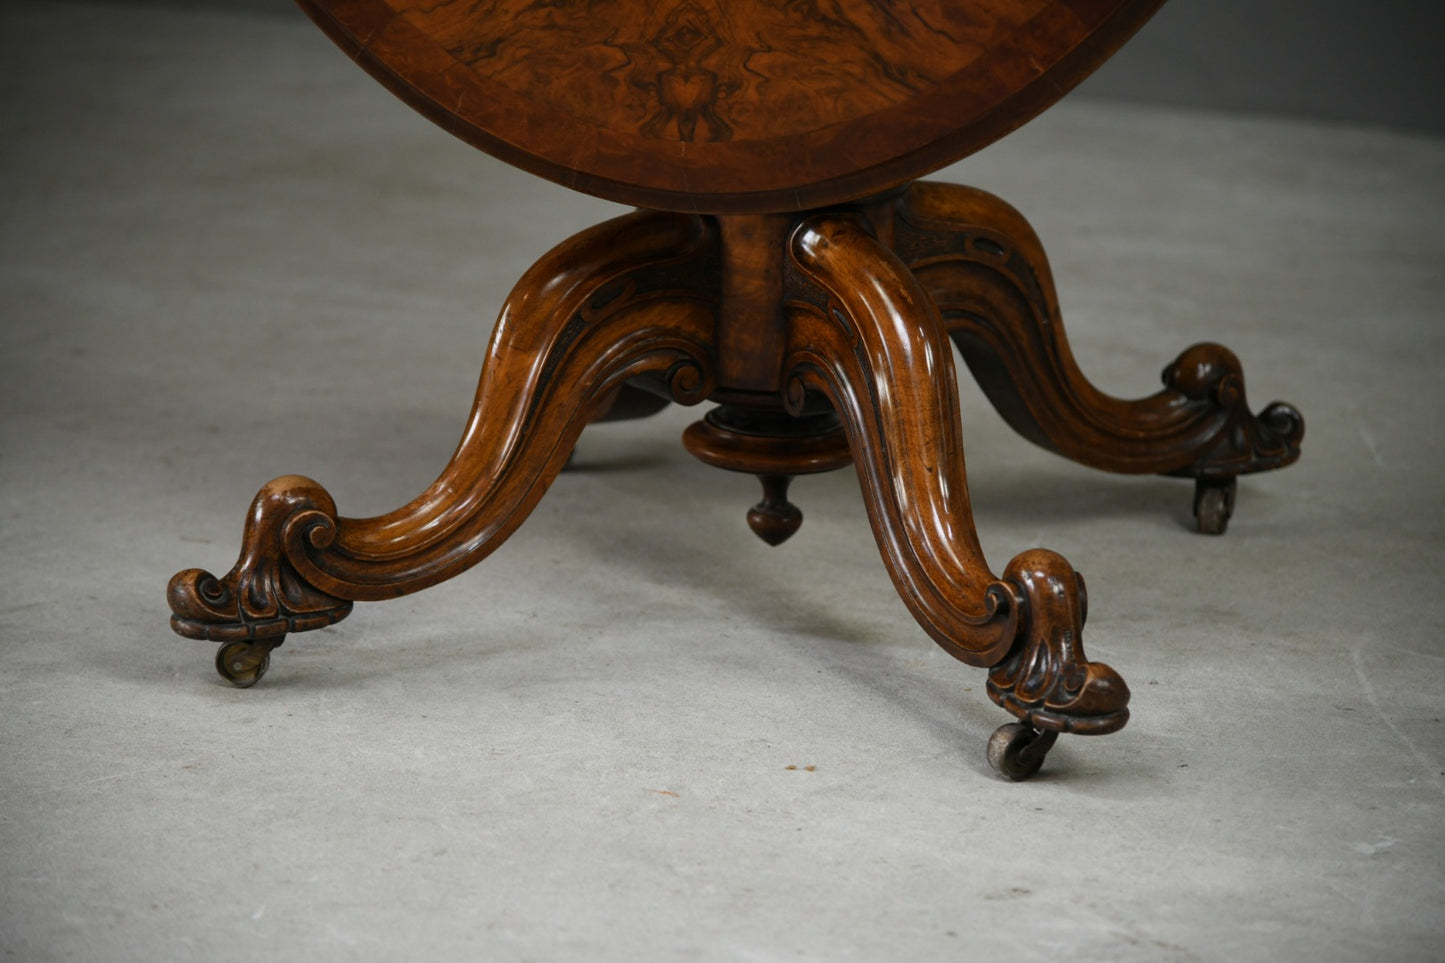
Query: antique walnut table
[786, 266]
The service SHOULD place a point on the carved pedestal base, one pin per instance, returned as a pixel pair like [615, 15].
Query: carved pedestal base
[823, 337]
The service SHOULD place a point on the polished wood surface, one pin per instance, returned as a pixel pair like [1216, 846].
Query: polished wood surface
[730, 105]
[822, 335]
[856, 367]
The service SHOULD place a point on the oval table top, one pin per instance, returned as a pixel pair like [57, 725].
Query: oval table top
[730, 106]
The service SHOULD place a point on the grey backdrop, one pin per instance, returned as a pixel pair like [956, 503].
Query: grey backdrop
[1375, 63]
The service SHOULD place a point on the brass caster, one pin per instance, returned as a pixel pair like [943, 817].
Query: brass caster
[1016, 751]
[243, 663]
[1213, 504]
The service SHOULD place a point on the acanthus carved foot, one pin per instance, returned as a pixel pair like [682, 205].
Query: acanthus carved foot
[1208, 379]
[263, 596]
[1046, 680]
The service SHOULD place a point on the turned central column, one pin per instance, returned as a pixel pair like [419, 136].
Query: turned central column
[751, 330]
[751, 432]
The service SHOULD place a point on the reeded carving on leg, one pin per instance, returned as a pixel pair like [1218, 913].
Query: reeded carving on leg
[866, 335]
[1046, 680]
[624, 301]
[263, 596]
[983, 266]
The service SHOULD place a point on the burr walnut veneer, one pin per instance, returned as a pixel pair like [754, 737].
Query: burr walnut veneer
[786, 265]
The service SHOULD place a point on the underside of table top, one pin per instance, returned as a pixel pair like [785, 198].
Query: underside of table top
[730, 106]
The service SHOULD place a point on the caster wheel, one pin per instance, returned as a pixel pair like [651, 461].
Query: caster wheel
[243, 663]
[1213, 505]
[1016, 751]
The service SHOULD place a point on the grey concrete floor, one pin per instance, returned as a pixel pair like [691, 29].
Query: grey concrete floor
[636, 732]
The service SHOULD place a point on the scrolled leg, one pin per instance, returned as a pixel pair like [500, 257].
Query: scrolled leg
[983, 266]
[626, 300]
[871, 343]
[866, 335]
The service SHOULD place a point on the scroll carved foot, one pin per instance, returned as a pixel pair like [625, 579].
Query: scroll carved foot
[983, 266]
[1046, 680]
[1209, 379]
[263, 596]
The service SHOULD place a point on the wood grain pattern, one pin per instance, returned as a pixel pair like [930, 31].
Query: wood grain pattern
[704, 70]
[739, 106]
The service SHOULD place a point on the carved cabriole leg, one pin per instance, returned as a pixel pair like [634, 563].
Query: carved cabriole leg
[630, 299]
[865, 334]
[983, 266]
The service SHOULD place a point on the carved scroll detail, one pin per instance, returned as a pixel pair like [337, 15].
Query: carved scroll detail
[1046, 680]
[263, 596]
[1209, 379]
